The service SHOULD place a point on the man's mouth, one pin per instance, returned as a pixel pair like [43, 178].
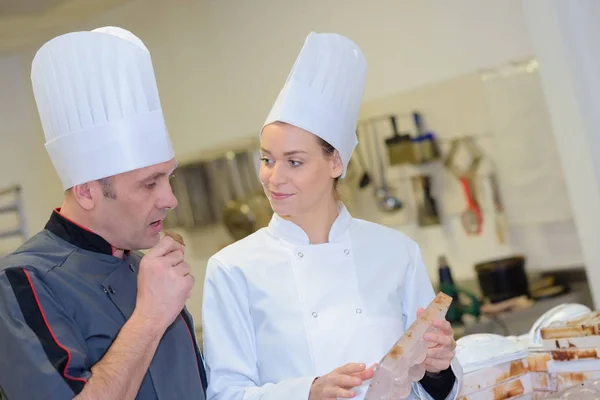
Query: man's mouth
[157, 225]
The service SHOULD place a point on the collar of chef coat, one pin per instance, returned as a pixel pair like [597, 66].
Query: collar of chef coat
[291, 232]
[78, 235]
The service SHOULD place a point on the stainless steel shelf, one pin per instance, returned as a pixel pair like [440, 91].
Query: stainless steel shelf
[11, 233]
[9, 208]
[15, 206]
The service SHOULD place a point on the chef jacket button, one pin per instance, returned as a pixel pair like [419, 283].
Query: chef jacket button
[314, 315]
[358, 311]
[111, 290]
[105, 290]
[346, 251]
[300, 255]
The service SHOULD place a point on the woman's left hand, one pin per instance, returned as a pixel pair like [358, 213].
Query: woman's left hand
[441, 346]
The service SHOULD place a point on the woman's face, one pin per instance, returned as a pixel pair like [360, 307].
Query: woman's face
[296, 174]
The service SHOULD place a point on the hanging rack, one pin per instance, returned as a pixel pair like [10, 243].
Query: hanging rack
[14, 207]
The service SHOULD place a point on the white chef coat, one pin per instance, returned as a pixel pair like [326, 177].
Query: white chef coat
[279, 312]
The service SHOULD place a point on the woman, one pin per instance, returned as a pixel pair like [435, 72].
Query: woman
[299, 309]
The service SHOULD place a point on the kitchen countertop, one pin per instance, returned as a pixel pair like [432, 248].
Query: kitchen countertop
[519, 322]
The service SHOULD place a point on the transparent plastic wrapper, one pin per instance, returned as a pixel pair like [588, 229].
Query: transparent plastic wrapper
[588, 390]
[404, 363]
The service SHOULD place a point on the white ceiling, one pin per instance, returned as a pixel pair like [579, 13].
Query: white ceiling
[11, 8]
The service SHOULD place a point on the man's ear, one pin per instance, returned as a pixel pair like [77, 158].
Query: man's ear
[338, 165]
[85, 195]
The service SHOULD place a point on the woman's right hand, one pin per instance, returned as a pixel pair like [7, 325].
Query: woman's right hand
[339, 382]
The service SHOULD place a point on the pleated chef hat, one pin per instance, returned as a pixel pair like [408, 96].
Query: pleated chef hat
[98, 101]
[324, 90]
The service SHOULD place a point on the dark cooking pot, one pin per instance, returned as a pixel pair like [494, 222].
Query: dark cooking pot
[503, 279]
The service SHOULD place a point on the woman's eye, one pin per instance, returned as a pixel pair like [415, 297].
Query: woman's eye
[295, 163]
[265, 160]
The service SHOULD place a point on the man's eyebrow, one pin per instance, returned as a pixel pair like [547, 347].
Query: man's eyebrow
[154, 176]
[157, 175]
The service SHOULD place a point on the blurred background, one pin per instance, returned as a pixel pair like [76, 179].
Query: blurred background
[477, 132]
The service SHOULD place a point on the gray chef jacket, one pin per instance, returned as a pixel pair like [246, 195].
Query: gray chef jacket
[63, 299]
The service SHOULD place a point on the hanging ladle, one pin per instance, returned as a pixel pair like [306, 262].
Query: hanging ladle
[365, 179]
[386, 201]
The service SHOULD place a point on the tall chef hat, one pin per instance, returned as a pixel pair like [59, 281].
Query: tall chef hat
[98, 101]
[323, 92]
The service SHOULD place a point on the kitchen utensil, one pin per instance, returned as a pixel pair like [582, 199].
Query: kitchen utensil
[385, 200]
[237, 215]
[191, 188]
[503, 278]
[196, 182]
[472, 217]
[400, 146]
[458, 308]
[501, 222]
[426, 207]
[424, 144]
[365, 179]
[255, 196]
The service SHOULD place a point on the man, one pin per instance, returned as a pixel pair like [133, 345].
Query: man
[82, 314]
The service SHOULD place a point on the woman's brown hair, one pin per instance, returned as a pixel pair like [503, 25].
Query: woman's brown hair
[329, 151]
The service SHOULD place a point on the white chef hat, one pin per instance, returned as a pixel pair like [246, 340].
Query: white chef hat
[98, 101]
[323, 92]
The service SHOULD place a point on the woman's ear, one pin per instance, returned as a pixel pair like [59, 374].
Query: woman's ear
[337, 165]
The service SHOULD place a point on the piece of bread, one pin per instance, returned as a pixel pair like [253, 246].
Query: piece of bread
[405, 361]
[175, 236]
[587, 325]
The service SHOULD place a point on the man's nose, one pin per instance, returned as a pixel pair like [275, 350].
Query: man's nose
[168, 199]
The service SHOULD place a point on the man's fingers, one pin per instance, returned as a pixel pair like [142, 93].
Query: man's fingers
[174, 257]
[191, 281]
[165, 246]
[183, 268]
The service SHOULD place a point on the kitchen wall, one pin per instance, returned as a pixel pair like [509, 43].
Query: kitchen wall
[503, 110]
[220, 64]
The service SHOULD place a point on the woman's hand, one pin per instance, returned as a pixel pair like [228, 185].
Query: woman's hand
[442, 345]
[339, 382]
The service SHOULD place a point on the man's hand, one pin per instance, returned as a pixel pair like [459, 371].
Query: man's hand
[339, 382]
[164, 283]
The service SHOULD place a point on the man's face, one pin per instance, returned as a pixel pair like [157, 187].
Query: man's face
[132, 217]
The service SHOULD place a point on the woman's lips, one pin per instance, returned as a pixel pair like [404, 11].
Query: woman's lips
[279, 196]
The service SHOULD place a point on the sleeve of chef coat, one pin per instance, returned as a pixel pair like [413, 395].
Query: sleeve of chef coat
[43, 353]
[419, 293]
[229, 343]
